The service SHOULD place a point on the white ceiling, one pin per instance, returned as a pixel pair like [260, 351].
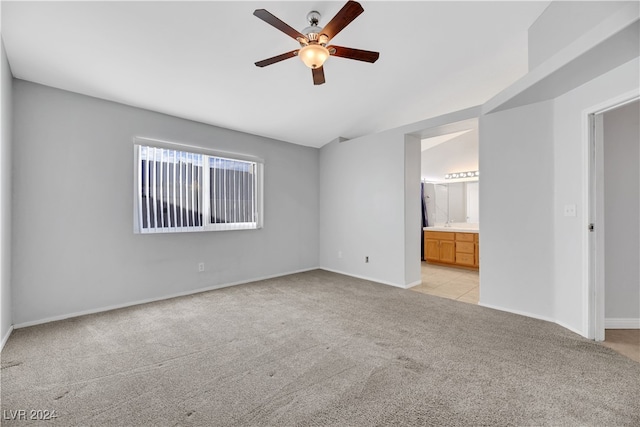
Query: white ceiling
[458, 154]
[196, 60]
[431, 142]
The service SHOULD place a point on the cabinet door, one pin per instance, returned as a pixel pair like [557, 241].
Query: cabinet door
[431, 249]
[447, 251]
[477, 260]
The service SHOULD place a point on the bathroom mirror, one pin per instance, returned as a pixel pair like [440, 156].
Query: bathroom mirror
[454, 202]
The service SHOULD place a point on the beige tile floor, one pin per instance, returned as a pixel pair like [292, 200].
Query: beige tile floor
[449, 282]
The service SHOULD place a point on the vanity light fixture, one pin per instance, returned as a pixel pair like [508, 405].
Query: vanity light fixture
[455, 175]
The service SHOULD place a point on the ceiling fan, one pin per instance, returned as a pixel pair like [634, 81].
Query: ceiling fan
[314, 39]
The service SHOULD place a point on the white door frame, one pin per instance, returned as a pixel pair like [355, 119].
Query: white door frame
[595, 288]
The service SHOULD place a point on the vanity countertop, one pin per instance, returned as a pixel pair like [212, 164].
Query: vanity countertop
[453, 229]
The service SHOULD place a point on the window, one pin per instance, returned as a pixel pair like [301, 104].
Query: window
[194, 190]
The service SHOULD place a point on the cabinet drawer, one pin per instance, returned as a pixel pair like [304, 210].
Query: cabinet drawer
[464, 237]
[465, 259]
[439, 235]
[465, 247]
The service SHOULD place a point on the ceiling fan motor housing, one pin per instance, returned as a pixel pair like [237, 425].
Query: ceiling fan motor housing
[312, 32]
[313, 17]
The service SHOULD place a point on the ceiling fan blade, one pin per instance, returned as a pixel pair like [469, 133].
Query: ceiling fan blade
[276, 22]
[357, 54]
[278, 58]
[318, 75]
[348, 13]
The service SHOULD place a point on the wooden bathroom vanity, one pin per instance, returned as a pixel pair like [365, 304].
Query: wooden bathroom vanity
[452, 247]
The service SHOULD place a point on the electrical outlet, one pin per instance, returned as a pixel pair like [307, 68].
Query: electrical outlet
[201, 267]
[366, 259]
[570, 210]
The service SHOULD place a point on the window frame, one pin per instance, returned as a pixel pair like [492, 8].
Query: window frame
[205, 193]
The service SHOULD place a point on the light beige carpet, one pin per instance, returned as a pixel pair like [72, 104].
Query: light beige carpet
[315, 348]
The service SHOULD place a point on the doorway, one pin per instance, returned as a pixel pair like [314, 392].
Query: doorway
[450, 200]
[614, 217]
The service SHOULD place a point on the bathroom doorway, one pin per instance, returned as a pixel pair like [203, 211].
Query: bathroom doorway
[451, 223]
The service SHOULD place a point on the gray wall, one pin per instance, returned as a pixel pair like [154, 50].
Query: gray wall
[533, 160]
[362, 198]
[74, 248]
[370, 200]
[571, 186]
[622, 210]
[516, 159]
[563, 22]
[412, 211]
[5, 196]
[370, 206]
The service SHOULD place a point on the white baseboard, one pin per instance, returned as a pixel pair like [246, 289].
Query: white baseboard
[5, 338]
[411, 285]
[148, 300]
[571, 328]
[371, 279]
[519, 312]
[617, 323]
[533, 315]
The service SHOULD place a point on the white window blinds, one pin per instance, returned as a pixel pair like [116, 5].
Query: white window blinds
[186, 191]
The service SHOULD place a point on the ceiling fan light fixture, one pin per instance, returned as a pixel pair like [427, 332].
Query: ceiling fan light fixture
[313, 55]
[314, 39]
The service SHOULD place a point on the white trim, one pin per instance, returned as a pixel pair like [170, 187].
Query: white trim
[616, 323]
[615, 102]
[203, 187]
[532, 315]
[411, 285]
[571, 328]
[228, 155]
[519, 312]
[148, 300]
[5, 338]
[593, 252]
[371, 279]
